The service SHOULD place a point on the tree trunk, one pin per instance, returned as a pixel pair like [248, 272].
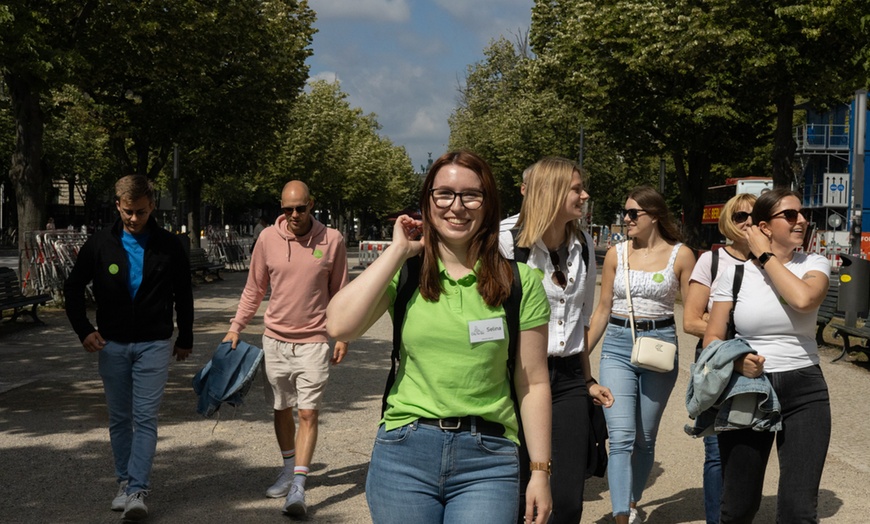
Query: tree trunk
[26, 172]
[693, 188]
[783, 142]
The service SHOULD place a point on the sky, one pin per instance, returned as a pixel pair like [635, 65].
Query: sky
[404, 60]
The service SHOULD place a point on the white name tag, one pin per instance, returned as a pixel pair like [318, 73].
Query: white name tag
[486, 330]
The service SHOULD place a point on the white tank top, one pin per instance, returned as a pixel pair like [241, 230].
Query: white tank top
[652, 292]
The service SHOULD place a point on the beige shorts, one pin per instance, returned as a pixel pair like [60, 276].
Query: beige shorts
[297, 372]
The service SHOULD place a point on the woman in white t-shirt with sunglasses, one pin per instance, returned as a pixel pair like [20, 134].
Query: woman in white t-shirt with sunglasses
[775, 314]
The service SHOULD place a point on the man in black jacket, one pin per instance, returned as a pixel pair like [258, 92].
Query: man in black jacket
[139, 272]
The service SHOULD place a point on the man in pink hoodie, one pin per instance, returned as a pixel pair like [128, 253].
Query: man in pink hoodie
[305, 263]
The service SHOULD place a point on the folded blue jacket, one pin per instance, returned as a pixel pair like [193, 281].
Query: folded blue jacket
[718, 399]
[227, 377]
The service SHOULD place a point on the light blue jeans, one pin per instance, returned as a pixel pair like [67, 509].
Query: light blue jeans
[134, 378]
[639, 400]
[420, 473]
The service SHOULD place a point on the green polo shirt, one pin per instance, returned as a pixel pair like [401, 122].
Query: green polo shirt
[442, 373]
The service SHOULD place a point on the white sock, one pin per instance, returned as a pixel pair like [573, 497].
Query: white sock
[300, 475]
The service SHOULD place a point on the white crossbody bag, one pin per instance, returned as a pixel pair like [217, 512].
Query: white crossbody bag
[647, 352]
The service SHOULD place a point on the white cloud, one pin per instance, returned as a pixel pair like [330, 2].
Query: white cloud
[380, 10]
[491, 18]
[329, 76]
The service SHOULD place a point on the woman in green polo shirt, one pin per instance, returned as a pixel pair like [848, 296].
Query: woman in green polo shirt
[446, 448]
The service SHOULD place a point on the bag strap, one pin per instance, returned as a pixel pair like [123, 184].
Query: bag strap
[714, 265]
[735, 289]
[409, 281]
[512, 316]
[627, 289]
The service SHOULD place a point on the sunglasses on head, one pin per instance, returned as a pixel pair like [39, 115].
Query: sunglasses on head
[632, 213]
[558, 276]
[299, 209]
[791, 215]
[739, 217]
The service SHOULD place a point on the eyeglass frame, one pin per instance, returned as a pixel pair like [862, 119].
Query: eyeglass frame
[633, 213]
[785, 212]
[455, 194]
[746, 215]
[300, 210]
[559, 277]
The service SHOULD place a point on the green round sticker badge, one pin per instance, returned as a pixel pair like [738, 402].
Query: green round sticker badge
[113, 269]
[317, 253]
[658, 278]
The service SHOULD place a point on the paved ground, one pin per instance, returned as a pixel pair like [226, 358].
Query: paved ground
[55, 460]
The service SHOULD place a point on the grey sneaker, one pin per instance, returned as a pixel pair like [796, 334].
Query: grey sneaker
[120, 500]
[634, 517]
[281, 487]
[135, 508]
[295, 503]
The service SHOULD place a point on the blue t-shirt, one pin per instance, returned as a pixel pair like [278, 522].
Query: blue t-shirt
[134, 245]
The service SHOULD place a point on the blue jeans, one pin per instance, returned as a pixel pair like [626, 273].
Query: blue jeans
[134, 377]
[639, 400]
[802, 446]
[712, 479]
[420, 473]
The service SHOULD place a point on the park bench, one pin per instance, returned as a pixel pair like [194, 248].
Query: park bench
[200, 264]
[12, 298]
[828, 310]
[846, 333]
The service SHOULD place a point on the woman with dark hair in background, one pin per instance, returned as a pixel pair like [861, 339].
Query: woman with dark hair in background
[734, 220]
[775, 314]
[446, 449]
[659, 266]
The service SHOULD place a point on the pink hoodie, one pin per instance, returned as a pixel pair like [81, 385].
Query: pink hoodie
[304, 273]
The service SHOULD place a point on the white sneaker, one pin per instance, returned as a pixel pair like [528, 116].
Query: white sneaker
[295, 503]
[634, 517]
[120, 500]
[135, 509]
[281, 487]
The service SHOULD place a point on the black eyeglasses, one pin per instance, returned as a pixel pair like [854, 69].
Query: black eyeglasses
[791, 215]
[632, 213]
[444, 198]
[739, 217]
[558, 277]
[300, 210]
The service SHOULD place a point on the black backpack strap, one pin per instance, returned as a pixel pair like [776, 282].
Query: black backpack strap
[521, 254]
[731, 329]
[512, 315]
[714, 265]
[409, 281]
[585, 249]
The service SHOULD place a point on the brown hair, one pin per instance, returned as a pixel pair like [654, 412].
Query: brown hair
[654, 204]
[494, 276]
[134, 187]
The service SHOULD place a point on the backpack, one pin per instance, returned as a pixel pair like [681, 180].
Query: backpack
[409, 281]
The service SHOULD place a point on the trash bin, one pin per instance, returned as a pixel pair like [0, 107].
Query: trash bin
[854, 297]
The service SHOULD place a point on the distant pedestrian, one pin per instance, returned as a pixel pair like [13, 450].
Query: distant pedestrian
[262, 224]
[304, 263]
[50, 225]
[139, 273]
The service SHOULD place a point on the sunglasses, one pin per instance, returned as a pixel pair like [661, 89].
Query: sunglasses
[558, 277]
[632, 213]
[791, 215]
[739, 217]
[300, 210]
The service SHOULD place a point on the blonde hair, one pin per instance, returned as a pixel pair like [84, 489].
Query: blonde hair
[727, 226]
[547, 187]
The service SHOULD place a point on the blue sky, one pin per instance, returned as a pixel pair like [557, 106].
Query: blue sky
[404, 60]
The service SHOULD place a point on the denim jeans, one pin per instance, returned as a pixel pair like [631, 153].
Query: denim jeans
[712, 479]
[639, 400]
[802, 446]
[570, 438]
[134, 377]
[420, 473]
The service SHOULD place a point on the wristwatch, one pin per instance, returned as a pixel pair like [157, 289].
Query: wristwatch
[764, 257]
[541, 466]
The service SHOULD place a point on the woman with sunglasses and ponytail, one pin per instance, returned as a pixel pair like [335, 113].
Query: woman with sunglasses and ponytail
[659, 266]
[775, 314]
[549, 237]
[734, 219]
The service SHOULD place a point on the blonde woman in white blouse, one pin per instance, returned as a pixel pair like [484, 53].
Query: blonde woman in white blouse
[659, 269]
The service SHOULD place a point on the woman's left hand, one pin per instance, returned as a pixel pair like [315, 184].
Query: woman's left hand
[601, 395]
[539, 500]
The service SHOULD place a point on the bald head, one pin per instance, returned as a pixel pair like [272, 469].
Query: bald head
[296, 203]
